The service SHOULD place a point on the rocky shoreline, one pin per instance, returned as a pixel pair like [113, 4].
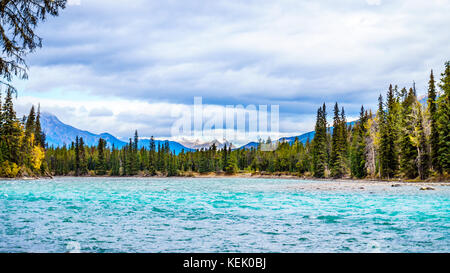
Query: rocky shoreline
[391, 182]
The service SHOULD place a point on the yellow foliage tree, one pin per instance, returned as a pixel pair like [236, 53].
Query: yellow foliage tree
[37, 156]
[8, 169]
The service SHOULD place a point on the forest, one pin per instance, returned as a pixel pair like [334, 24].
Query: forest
[402, 139]
[22, 142]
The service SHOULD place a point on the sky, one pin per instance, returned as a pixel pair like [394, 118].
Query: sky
[116, 66]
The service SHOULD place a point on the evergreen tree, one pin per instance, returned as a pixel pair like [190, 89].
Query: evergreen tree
[358, 150]
[39, 135]
[420, 142]
[83, 158]
[77, 156]
[11, 132]
[224, 157]
[231, 165]
[29, 126]
[443, 124]
[115, 161]
[408, 153]
[432, 112]
[19, 20]
[27, 143]
[391, 118]
[152, 157]
[320, 143]
[383, 150]
[345, 136]
[337, 149]
[101, 164]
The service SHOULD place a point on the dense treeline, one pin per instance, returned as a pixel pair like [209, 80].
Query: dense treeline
[402, 139]
[21, 142]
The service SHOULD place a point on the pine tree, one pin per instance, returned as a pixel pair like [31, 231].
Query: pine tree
[152, 157]
[420, 142]
[443, 124]
[231, 165]
[101, 164]
[136, 140]
[39, 135]
[320, 143]
[408, 153]
[77, 156]
[224, 157]
[83, 157]
[30, 123]
[385, 169]
[337, 149]
[131, 159]
[11, 132]
[345, 144]
[204, 162]
[172, 169]
[19, 20]
[391, 129]
[115, 162]
[434, 134]
[358, 150]
[27, 143]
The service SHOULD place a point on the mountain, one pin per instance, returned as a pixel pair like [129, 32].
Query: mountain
[59, 134]
[173, 145]
[301, 138]
[198, 144]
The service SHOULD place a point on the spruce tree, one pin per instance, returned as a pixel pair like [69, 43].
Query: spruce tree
[11, 131]
[231, 165]
[77, 156]
[115, 161]
[358, 150]
[345, 131]
[39, 135]
[432, 112]
[443, 124]
[385, 169]
[337, 149]
[408, 152]
[101, 164]
[30, 123]
[152, 157]
[27, 143]
[19, 20]
[320, 143]
[391, 129]
[224, 157]
[421, 144]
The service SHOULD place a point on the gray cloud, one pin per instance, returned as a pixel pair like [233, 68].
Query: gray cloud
[297, 54]
[100, 112]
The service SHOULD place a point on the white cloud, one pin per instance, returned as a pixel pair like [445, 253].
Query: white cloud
[374, 2]
[145, 57]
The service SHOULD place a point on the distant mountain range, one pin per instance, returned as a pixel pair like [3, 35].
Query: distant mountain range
[59, 134]
[198, 144]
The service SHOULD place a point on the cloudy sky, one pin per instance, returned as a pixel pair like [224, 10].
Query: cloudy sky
[116, 66]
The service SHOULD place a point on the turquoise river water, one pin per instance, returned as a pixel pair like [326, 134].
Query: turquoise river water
[219, 215]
